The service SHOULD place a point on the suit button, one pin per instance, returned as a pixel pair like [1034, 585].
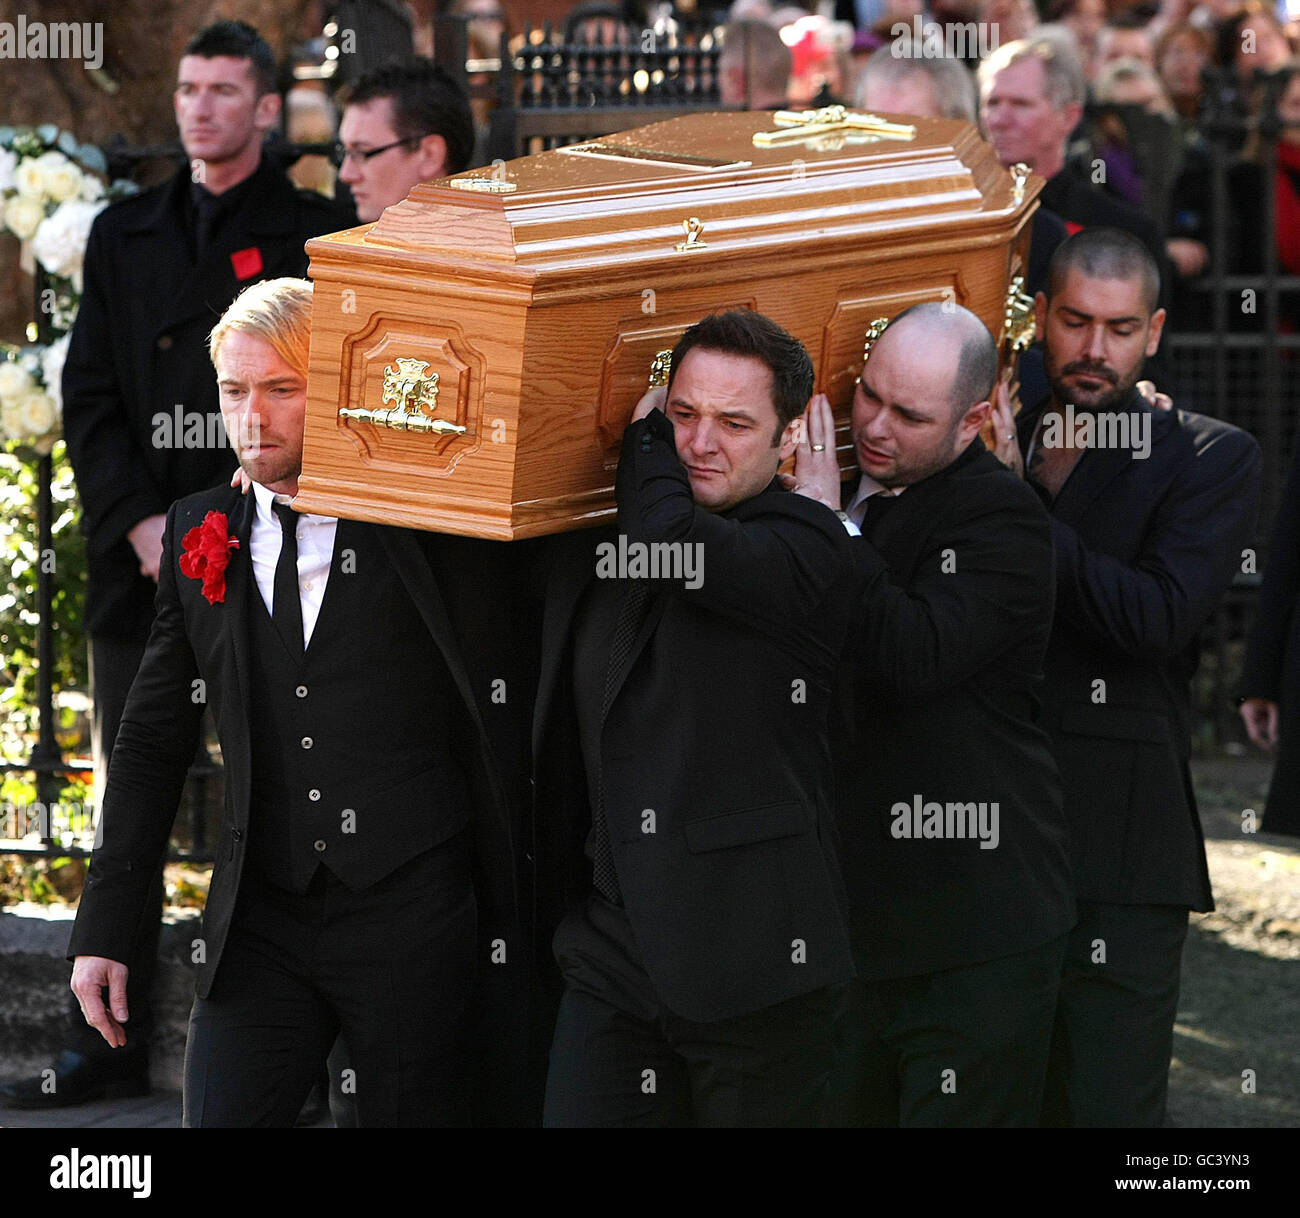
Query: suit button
[165, 342]
[301, 691]
[313, 795]
[238, 834]
[306, 742]
[319, 846]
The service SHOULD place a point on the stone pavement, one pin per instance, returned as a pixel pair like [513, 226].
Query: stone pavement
[162, 1110]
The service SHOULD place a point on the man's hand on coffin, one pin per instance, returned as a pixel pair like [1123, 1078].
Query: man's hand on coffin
[1154, 398]
[241, 480]
[654, 399]
[1007, 446]
[816, 468]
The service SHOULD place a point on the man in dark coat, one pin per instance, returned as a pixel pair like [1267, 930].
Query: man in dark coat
[1270, 681]
[365, 872]
[1031, 98]
[681, 730]
[1151, 512]
[955, 850]
[140, 411]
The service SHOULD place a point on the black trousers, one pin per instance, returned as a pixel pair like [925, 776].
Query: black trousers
[1114, 1030]
[962, 1048]
[620, 1058]
[390, 967]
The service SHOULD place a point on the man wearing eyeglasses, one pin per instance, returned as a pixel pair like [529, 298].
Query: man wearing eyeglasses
[403, 123]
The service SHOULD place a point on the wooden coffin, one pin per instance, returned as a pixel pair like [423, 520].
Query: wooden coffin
[539, 291]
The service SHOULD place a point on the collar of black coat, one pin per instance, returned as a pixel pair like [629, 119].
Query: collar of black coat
[225, 203]
[1098, 467]
[268, 205]
[972, 452]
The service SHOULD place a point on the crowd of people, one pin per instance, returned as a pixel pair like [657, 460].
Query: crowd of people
[887, 820]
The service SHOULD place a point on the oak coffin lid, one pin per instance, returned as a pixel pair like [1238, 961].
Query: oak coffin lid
[563, 213]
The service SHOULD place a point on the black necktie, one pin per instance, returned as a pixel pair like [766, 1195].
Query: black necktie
[631, 616]
[286, 610]
[877, 507]
[207, 210]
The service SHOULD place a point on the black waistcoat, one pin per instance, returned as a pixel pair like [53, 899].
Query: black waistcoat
[351, 765]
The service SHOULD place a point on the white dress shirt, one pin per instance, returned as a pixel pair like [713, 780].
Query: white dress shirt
[315, 554]
[857, 509]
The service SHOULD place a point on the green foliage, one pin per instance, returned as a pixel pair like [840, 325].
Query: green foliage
[20, 562]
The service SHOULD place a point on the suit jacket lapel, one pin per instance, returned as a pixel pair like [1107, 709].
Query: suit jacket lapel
[654, 611]
[1096, 470]
[240, 585]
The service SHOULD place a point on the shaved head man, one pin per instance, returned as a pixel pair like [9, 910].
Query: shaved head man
[954, 837]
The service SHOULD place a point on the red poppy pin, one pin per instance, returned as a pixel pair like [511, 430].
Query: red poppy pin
[247, 263]
[207, 551]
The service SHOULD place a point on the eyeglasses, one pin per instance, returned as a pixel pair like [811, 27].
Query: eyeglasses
[339, 153]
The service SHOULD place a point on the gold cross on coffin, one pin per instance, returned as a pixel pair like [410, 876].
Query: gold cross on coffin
[831, 128]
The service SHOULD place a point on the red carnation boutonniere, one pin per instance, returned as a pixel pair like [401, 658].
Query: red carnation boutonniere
[207, 551]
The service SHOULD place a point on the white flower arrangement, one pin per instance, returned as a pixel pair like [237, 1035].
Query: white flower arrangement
[51, 190]
[29, 395]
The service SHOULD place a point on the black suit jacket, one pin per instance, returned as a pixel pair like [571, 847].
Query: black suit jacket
[944, 673]
[139, 349]
[718, 725]
[453, 588]
[1145, 547]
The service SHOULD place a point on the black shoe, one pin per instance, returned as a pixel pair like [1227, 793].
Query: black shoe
[77, 1079]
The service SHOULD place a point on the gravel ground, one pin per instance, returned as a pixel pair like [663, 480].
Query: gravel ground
[1241, 968]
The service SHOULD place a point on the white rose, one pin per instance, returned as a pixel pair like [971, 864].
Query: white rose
[8, 163]
[29, 179]
[10, 422]
[15, 381]
[52, 368]
[62, 177]
[23, 216]
[60, 240]
[37, 414]
[92, 189]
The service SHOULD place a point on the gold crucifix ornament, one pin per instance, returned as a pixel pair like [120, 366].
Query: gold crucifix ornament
[412, 386]
[831, 128]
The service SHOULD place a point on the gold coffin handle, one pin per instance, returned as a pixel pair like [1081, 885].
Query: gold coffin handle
[877, 327]
[1017, 318]
[411, 385]
[660, 368]
[1019, 178]
[403, 420]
